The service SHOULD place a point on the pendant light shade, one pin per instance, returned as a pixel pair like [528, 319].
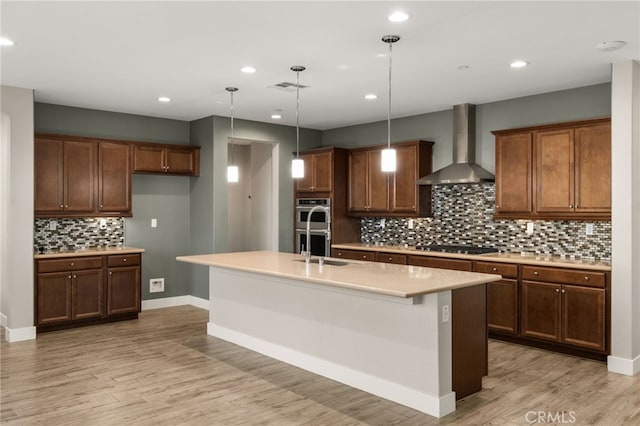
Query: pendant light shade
[233, 174]
[388, 163]
[297, 165]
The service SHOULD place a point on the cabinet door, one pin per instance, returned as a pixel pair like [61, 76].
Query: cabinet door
[593, 168]
[514, 171]
[540, 310]
[306, 183]
[354, 254]
[49, 166]
[123, 290]
[323, 172]
[554, 171]
[358, 161]
[180, 161]
[404, 190]
[583, 317]
[377, 183]
[440, 263]
[87, 294]
[80, 176]
[502, 306]
[114, 178]
[54, 298]
[148, 158]
[398, 259]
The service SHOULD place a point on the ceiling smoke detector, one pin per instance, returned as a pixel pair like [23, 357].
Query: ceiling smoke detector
[610, 46]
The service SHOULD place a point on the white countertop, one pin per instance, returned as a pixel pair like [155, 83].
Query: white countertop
[93, 251]
[381, 278]
[524, 259]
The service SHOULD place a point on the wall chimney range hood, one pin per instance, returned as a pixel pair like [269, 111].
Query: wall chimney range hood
[463, 169]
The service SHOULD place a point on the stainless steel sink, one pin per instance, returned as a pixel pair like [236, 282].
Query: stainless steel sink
[331, 262]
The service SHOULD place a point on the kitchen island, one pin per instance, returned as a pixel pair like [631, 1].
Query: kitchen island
[382, 328]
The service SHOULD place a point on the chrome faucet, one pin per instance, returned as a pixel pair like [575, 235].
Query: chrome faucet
[327, 210]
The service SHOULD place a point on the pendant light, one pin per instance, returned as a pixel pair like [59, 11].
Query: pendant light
[389, 154]
[232, 169]
[297, 165]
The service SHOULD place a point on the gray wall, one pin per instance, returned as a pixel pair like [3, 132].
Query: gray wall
[16, 271]
[165, 198]
[567, 105]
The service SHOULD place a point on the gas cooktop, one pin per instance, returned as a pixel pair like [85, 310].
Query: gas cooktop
[457, 249]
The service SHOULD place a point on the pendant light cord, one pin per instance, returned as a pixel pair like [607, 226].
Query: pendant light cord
[389, 106]
[231, 90]
[297, 113]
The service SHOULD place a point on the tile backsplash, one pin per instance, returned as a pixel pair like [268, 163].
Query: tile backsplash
[78, 233]
[463, 215]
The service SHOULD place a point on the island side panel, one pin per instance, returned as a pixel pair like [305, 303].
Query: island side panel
[386, 346]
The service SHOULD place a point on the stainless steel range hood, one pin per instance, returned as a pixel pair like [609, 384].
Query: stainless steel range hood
[463, 169]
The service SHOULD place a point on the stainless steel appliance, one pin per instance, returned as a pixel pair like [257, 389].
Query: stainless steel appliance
[319, 218]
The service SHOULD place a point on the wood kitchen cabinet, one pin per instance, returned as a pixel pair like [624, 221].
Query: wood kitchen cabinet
[76, 291]
[69, 289]
[166, 159]
[565, 306]
[318, 171]
[123, 284]
[440, 263]
[502, 296]
[114, 178]
[559, 171]
[398, 259]
[369, 256]
[373, 192]
[65, 177]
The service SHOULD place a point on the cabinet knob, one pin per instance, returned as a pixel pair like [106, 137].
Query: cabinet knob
[586, 278]
[62, 206]
[535, 272]
[124, 260]
[66, 206]
[101, 206]
[494, 269]
[390, 259]
[69, 276]
[110, 273]
[557, 290]
[71, 263]
[563, 290]
[339, 254]
[570, 206]
[75, 276]
[497, 206]
[364, 256]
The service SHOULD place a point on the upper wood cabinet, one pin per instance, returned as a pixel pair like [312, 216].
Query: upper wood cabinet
[166, 159]
[114, 177]
[318, 172]
[373, 192]
[559, 171]
[65, 177]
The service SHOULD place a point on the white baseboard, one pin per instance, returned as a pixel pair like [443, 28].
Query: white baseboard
[628, 367]
[429, 404]
[168, 302]
[19, 334]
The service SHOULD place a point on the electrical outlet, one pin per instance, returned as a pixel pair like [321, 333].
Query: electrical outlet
[383, 222]
[530, 228]
[53, 225]
[445, 313]
[410, 223]
[156, 285]
[589, 229]
[103, 223]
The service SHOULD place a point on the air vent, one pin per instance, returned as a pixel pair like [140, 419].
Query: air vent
[287, 87]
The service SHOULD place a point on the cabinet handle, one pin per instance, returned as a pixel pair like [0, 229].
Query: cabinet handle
[66, 206]
[364, 256]
[557, 290]
[497, 206]
[110, 273]
[75, 276]
[71, 263]
[586, 278]
[339, 254]
[494, 269]
[535, 272]
[390, 259]
[570, 206]
[124, 260]
[101, 206]
[563, 290]
[69, 275]
[62, 206]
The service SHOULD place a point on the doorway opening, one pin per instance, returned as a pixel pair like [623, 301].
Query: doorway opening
[252, 202]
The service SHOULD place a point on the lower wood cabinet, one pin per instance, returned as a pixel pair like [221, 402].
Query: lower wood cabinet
[369, 256]
[440, 263]
[84, 290]
[502, 296]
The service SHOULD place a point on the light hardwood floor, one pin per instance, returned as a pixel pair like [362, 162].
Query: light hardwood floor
[163, 369]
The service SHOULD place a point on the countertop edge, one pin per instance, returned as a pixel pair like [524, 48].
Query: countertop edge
[490, 257]
[102, 251]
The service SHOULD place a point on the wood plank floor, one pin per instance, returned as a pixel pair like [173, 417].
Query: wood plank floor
[163, 369]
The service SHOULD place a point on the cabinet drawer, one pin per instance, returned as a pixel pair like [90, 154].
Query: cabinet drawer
[507, 270]
[440, 263]
[354, 254]
[69, 264]
[123, 260]
[564, 276]
[400, 259]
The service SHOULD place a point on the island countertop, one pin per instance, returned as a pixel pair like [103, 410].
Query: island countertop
[381, 278]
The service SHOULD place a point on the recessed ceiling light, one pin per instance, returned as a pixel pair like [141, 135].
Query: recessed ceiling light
[6, 42]
[519, 64]
[398, 16]
[164, 99]
[610, 46]
[371, 96]
[248, 70]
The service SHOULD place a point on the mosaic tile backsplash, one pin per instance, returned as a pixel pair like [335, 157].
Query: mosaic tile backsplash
[75, 234]
[463, 215]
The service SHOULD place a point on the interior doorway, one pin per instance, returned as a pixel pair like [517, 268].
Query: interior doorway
[252, 202]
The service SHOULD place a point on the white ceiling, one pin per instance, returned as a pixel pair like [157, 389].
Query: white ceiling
[120, 56]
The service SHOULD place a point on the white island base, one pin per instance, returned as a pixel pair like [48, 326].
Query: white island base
[397, 349]
[392, 338]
